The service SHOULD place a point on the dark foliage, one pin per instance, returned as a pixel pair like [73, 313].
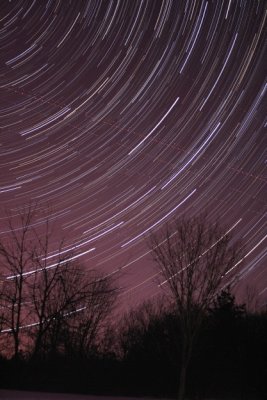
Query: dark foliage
[229, 358]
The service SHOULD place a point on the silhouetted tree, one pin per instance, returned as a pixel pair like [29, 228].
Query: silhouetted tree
[16, 258]
[192, 256]
[134, 325]
[224, 306]
[147, 348]
[95, 296]
[49, 294]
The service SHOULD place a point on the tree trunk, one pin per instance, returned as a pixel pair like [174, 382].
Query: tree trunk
[16, 346]
[182, 381]
[37, 346]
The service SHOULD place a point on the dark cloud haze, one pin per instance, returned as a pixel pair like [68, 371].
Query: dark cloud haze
[123, 114]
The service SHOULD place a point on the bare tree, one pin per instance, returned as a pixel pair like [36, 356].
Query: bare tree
[15, 256]
[69, 306]
[86, 326]
[48, 293]
[135, 323]
[192, 256]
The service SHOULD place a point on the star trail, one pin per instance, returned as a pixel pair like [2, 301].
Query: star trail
[124, 114]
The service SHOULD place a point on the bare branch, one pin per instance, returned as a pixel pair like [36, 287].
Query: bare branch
[193, 256]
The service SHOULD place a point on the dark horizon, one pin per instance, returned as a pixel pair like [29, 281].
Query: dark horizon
[124, 115]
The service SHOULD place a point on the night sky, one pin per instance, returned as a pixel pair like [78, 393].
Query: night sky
[122, 114]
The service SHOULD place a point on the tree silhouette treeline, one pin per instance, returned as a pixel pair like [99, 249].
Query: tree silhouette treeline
[56, 334]
[143, 357]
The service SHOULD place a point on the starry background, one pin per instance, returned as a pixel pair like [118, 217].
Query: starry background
[122, 114]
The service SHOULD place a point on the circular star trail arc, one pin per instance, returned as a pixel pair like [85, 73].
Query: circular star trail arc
[123, 114]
